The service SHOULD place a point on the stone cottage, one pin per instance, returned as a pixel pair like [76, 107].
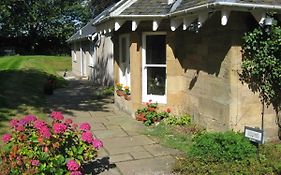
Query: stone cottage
[92, 55]
[186, 55]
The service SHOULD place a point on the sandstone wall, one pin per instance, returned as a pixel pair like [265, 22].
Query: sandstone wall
[202, 74]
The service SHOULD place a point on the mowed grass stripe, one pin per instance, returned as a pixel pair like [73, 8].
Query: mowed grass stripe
[22, 80]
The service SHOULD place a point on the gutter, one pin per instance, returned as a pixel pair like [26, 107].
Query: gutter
[88, 37]
[129, 17]
[247, 6]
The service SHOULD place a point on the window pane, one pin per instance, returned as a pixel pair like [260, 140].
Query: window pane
[155, 49]
[156, 80]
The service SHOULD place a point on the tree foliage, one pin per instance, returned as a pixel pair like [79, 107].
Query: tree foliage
[99, 5]
[37, 19]
[261, 63]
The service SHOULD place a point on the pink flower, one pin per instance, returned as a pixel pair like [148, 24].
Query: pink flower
[87, 137]
[20, 128]
[35, 162]
[75, 173]
[22, 122]
[168, 110]
[74, 125]
[57, 115]
[85, 126]
[68, 121]
[97, 143]
[59, 128]
[39, 124]
[72, 165]
[13, 122]
[45, 132]
[6, 138]
[30, 118]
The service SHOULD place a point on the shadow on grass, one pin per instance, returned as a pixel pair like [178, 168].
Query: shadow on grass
[22, 93]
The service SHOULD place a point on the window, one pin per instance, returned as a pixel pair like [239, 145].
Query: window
[154, 67]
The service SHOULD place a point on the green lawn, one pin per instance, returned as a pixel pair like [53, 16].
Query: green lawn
[182, 138]
[22, 79]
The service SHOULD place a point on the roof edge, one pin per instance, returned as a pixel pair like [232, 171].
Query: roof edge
[246, 6]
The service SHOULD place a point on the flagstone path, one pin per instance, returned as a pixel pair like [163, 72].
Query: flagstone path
[127, 150]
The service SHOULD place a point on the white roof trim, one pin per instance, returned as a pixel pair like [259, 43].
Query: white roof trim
[120, 9]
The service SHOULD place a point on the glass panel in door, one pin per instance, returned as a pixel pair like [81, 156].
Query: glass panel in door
[156, 80]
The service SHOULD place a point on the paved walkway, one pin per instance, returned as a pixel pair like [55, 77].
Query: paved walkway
[127, 151]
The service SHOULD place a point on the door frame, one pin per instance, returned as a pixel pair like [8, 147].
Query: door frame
[145, 97]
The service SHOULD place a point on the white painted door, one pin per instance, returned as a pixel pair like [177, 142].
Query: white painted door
[124, 60]
[154, 86]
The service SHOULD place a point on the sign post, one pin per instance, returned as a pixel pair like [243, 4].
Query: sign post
[255, 135]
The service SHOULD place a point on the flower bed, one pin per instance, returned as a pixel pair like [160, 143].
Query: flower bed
[150, 114]
[35, 147]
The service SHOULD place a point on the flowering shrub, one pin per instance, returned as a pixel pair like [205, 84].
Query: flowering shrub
[35, 147]
[149, 113]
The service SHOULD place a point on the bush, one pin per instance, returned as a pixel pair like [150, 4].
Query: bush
[268, 163]
[219, 147]
[194, 166]
[35, 147]
[150, 115]
[108, 91]
[180, 120]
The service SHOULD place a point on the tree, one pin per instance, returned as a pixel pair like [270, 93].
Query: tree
[99, 5]
[37, 19]
[261, 64]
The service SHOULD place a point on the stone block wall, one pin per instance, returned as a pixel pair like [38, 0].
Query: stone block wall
[102, 70]
[202, 75]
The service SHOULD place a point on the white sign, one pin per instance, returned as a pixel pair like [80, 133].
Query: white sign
[254, 134]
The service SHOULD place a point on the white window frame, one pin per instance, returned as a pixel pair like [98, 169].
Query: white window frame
[128, 79]
[146, 97]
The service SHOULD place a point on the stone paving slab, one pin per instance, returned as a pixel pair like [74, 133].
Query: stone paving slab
[102, 114]
[97, 126]
[112, 171]
[152, 166]
[127, 141]
[112, 133]
[158, 150]
[141, 154]
[120, 158]
[118, 150]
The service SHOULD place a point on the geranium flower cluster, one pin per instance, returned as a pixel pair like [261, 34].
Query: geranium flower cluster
[36, 147]
[150, 113]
